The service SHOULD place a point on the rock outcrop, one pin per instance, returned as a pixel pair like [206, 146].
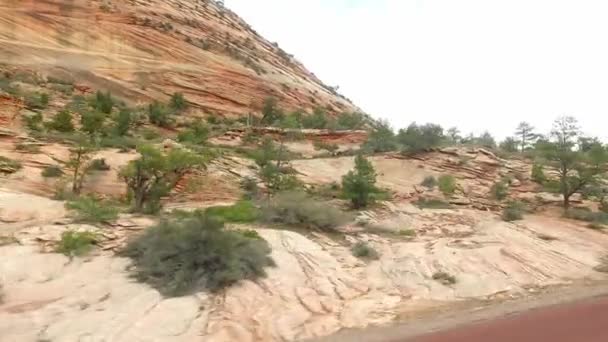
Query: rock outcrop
[145, 50]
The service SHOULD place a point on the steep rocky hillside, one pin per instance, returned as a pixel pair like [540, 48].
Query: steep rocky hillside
[142, 50]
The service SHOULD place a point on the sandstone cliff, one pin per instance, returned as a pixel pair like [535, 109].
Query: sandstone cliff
[147, 49]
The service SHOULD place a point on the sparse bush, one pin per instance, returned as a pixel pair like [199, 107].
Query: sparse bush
[587, 215]
[123, 122]
[271, 113]
[91, 210]
[196, 133]
[447, 184]
[407, 232]
[102, 102]
[37, 101]
[9, 165]
[125, 144]
[240, 212]
[364, 251]
[444, 278]
[596, 226]
[250, 188]
[33, 121]
[57, 80]
[27, 147]
[429, 182]
[62, 122]
[75, 243]
[250, 234]
[92, 122]
[321, 145]
[514, 211]
[178, 257]
[602, 265]
[99, 165]
[432, 203]
[178, 102]
[348, 121]
[318, 119]
[52, 171]
[538, 174]
[159, 115]
[297, 209]
[500, 190]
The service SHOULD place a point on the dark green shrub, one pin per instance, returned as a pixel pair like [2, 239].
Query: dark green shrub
[447, 184]
[500, 190]
[74, 243]
[123, 122]
[91, 210]
[62, 122]
[102, 102]
[297, 209]
[240, 212]
[179, 257]
[365, 251]
[444, 278]
[514, 211]
[359, 184]
[429, 182]
[52, 171]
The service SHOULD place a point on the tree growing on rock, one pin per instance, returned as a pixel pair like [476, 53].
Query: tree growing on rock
[509, 145]
[80, 156]
[576, 169]
[154, 174]
[381, 139]
[526, 135]
[453, 135]
[270, 111]
[416, 138]
[359, 184]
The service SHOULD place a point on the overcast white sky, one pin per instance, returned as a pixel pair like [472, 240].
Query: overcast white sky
[474, 64]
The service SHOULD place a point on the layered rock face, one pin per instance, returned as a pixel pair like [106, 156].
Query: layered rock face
[144, 50]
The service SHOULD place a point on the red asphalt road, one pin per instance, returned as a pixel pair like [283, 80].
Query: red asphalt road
[580, 322]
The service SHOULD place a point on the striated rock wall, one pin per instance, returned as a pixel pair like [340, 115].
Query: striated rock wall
[148, 49]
